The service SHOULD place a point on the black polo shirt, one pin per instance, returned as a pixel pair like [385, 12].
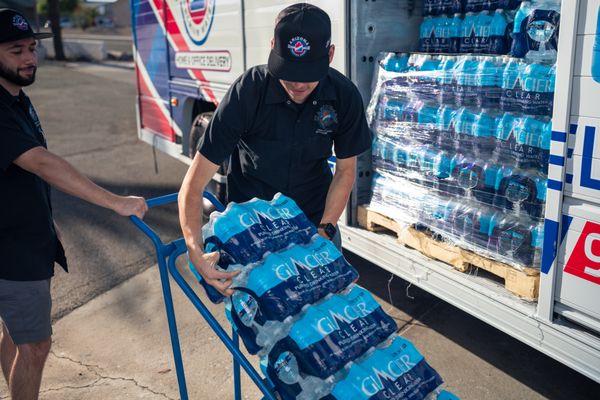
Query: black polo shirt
[277, 145]
[28, 243]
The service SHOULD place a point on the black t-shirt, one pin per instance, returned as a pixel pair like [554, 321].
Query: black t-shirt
[28, 243]
[277, 145]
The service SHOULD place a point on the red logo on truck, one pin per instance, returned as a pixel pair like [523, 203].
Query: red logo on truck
[585, 259]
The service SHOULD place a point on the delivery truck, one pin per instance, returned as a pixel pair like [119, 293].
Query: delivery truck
[188, 53]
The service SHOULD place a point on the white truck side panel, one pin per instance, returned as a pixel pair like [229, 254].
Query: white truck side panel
[578, 263]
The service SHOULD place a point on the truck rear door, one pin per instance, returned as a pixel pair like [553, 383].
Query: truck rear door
[577, 276]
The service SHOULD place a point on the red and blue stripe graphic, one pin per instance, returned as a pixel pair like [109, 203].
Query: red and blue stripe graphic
[156, 35]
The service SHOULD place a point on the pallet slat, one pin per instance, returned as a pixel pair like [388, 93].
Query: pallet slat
[524, 283]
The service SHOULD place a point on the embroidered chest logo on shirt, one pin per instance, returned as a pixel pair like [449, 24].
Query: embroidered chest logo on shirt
[326, 118]
[298, 46]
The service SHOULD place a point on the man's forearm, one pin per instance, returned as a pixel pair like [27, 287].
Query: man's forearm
[60, 174]
[191, 200]
[337, 196]
[190, 217]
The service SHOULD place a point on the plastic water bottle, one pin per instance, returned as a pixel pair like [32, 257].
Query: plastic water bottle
[488, 82]
[484, 128]
[445, 80]
[465, 122]
[394, 62]
[445, 395]
[468, 35]
[522, 192]
[499, 33]
[456, 6]
[466, 89]
[443, 34]
[533, 136]
[423, 79]
[535, 33]
[483, 24]
[476, 178]
[537, 95]
[465, 222]
[426, 31]
[431, 7]
[425, 132]
[506, 140]
[455, 33]
[596, 56]
[447, 137]
[392, 109]
[473, 5]
[509, 4]
[511, 85]
[516, 241]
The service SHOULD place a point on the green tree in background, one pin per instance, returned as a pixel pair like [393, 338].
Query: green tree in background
[65, 6]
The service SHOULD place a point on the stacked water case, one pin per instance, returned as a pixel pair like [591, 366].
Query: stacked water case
[297, 306]
[462, 140]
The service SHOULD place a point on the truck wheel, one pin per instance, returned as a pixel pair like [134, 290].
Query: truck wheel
[199, 127]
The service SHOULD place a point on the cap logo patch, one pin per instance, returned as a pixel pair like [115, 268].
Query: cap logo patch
[20, 23]
[298, 46]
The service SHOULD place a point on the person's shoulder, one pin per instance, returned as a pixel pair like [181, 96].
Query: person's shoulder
[345, 89]
[256, 76]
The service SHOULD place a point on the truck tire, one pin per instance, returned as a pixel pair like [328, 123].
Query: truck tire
[219, 189]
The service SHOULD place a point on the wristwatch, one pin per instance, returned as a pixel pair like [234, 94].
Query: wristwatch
[329, 229]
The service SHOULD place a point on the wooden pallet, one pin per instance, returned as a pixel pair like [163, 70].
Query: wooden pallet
[524, 283]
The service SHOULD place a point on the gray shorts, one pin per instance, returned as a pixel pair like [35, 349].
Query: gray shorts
[25, 310]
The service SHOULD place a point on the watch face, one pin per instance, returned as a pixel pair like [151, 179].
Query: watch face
[330, 230]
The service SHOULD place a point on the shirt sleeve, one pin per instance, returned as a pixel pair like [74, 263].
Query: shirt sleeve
[229, 121]
[13, 141]
[353, 136]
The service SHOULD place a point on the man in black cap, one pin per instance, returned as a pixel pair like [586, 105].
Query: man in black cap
[278, 124]
[29, 240]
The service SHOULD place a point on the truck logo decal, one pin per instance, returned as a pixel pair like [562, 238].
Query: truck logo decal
[197, 17]
[585, 259]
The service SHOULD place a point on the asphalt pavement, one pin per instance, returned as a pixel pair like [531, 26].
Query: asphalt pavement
[111, 338]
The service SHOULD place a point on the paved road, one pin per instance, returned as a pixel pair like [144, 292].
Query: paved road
[88, 115]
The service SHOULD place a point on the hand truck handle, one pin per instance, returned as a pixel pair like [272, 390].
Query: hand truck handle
[163, 200]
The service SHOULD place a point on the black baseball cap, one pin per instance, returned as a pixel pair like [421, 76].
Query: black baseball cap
[14, 26]
[302, 39]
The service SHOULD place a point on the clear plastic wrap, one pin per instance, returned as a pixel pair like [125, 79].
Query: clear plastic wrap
[295, 301]
[439, 7]
[501, 235]
[449, 156]
[536, 29]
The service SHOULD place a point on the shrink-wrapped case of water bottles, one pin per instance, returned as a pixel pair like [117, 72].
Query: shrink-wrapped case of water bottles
[461, 147]
[524, 29]
[297, 306]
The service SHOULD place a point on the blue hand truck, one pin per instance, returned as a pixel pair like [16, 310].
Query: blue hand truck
[167, 254]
